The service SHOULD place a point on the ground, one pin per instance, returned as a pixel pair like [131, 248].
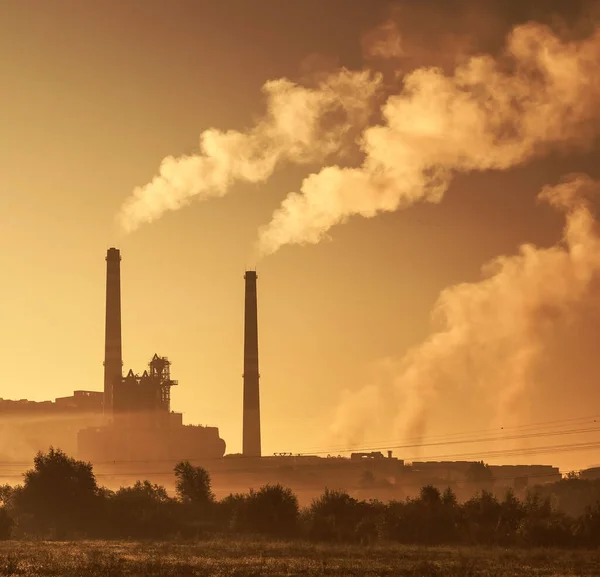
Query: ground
[244, 558]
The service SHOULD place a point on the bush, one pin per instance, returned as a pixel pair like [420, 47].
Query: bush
[142, 511]
[60, 498]
[334, 516]
[432, 518]
[482, 516]
[227, 511]
[272, 510]
[588, 527]
[542, 526]
[6, 524]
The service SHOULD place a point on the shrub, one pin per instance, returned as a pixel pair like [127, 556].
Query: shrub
[588, 526]
[6, 524]
[142, 511]
[272, 510]
[334, 516]
[227, 510]
[482, 515]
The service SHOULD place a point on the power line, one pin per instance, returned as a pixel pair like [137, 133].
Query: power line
[419, 440]
[575, 447]
[468, 441]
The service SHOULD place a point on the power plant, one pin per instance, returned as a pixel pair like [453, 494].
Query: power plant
[140, 425]
[131, 422]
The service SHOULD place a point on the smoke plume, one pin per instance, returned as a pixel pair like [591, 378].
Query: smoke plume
[493, 332]
[541, 95]
[302, 125]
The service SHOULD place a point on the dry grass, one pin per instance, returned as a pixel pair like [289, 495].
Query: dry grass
[245, 558]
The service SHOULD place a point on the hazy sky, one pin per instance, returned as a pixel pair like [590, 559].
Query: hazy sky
[94, 95]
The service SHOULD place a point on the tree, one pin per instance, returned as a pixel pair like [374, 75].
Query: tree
[430, 496]
[59, 494]
[482, 516]
[193, 485]
[511, 516]
[143, 511]
[272, 510]
[6, 524]
[433, 517]
[588, 526]
[480, 476]
[334, 516]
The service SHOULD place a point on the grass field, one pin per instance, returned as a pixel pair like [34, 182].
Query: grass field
[243, 558]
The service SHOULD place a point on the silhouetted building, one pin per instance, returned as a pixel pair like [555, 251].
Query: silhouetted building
[251, 424]
[113, 354]
[591, 474]
[27, 427]
[82, 401]
[503, 475]
[144, 429]
[523, 475]
[150, 392]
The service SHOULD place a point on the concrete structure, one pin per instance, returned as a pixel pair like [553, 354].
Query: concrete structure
[524, 475]
[113, 354]
[143, 429]
[140, 425]
[251, 446]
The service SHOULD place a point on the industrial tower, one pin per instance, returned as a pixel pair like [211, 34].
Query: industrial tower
[113, 355]
[251, 426]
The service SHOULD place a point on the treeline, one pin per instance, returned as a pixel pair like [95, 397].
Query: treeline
[60, 498]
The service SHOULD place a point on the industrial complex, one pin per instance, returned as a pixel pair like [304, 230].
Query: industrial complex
[130, 424]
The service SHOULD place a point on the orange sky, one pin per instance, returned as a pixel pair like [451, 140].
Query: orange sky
[93, 97]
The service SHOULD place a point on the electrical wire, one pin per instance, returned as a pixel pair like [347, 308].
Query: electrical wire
[451, 436]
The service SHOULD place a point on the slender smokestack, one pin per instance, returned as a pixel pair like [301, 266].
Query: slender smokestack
[251, 441]
[113, 360]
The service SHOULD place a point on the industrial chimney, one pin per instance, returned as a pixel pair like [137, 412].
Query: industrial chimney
[113, 360]
[251, 432]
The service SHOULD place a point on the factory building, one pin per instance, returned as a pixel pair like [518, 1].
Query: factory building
[131, 419]
[142, 426]
[139, 424]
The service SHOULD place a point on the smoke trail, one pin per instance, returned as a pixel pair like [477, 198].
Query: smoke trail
[489, 114]
[493, 332]
[302, 125]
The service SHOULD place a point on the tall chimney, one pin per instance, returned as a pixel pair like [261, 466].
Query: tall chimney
[113, 360]
[251, 440]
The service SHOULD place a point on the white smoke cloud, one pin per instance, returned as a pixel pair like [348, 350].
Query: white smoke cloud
[489, 114]
[302, 125]
[493, 332]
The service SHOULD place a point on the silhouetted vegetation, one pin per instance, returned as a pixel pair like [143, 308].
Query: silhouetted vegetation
[60, 498]
[272, 510]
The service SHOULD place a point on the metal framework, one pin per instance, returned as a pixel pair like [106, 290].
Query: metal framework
[149, 392]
